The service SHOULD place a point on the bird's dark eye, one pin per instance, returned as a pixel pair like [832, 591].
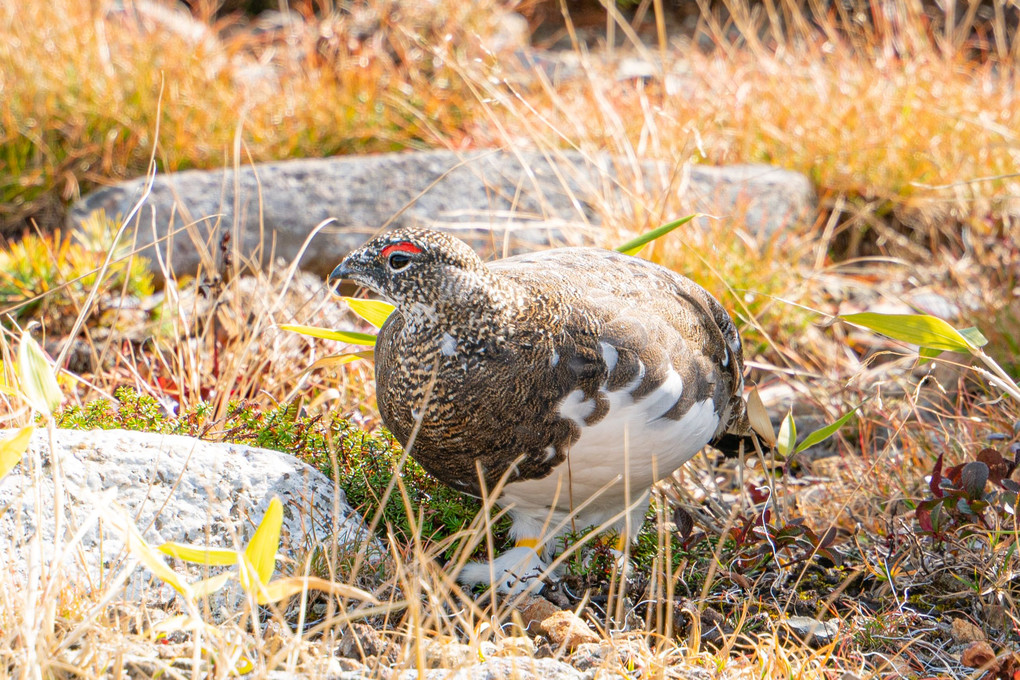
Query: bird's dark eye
[398, 261]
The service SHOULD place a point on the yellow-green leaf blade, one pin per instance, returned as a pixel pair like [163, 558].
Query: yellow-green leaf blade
[787, 435]
[13, 448]
[350, 337]
[197, 554]
[341, 359]
[916, 329]
[38, 382]
[634, 246]
[5, 386]
[821, 434]
[261, 550]
[974, 336]
[373, 311]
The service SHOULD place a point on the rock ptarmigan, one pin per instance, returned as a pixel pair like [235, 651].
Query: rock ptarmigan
[571, 380]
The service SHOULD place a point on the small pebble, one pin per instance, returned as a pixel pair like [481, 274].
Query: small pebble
[566, 630]
[516, 646]
[965, 631]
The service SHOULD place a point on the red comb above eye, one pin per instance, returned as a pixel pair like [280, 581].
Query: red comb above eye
[402, 247]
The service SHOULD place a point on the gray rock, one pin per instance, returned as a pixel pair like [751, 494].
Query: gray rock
[503, 668]
[813, 631]
[173, 488]
[500, 202]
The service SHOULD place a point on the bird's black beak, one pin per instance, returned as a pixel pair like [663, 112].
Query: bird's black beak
[341, 272]
[356, 267]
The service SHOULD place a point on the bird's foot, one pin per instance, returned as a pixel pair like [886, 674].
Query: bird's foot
[515, 572]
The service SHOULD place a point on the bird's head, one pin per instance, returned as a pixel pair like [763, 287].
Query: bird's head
[409, 266]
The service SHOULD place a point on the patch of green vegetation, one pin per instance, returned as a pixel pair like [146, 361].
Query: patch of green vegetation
[363, 464]
[130, 411]
[46, 277]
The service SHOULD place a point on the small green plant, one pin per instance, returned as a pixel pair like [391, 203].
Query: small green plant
[959, 495]
[977, 494]
[368, 464]
[47, 276]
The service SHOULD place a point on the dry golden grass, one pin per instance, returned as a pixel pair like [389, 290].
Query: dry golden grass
[82, 84]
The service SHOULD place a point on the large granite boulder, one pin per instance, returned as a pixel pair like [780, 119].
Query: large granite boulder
[173, 488]
[500, 202]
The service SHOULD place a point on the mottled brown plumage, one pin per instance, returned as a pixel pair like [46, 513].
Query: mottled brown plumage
[548, 371]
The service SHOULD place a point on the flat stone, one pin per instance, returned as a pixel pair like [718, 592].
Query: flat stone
[172, 488]
[515, 646]
[360, 641]
[448, 654]
[612, 656]
[812, 630]
[499, 202]
[965, 631]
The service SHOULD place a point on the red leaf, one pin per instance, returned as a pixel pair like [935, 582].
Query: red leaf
[998, 467]
[759, 494]
[954, 474]
[924, 519]
[936, 478]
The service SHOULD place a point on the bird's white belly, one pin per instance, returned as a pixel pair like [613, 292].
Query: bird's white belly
[615, 461]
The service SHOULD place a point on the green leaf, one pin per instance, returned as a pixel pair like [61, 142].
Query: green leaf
[38, 383]
[634, 246]
[13, 448]
[349, 337]
[916, 329]
[196, 554]
[974, 336]
[373, 311]
[824, 433]
[787, 436]
[261, 551]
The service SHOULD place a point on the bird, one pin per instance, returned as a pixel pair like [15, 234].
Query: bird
[568, 381]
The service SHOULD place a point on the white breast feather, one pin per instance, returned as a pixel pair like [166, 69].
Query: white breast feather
[664, 397]
[653, 447]
[610, 355]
